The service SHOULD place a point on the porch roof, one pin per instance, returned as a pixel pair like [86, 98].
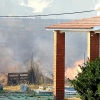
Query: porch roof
[86, 24]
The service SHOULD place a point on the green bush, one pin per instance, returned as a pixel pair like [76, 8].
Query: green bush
[87, 82]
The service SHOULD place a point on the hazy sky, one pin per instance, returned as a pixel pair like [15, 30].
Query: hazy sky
[33, 7]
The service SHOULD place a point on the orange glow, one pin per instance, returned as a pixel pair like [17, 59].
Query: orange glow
[71, 72]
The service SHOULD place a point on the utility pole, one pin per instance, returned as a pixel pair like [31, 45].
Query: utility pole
[84, 58]
[32, 66]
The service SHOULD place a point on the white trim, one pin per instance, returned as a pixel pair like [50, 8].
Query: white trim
[71, 30]
[88, 45]
[97, 31]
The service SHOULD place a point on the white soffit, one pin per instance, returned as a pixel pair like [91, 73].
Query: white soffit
[96, 29]
[71, 30]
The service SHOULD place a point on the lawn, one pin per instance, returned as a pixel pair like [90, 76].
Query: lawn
[14, 93]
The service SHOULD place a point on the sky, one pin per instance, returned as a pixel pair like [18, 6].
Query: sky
[34, 7]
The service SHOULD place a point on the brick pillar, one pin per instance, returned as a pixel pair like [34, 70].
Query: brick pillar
[94, 45]
[59, 65]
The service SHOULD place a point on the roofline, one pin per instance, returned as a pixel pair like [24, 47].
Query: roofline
[70, 30]
[96, 29]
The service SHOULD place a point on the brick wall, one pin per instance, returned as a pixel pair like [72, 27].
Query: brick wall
[59, 65]
[94, 45]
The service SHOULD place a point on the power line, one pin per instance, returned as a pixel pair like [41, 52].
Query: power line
[52, 14]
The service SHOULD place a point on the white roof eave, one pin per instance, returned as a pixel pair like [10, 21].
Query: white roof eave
[71, 30]
[96, 29]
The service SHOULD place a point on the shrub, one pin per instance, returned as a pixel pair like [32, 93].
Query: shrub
[87, 82]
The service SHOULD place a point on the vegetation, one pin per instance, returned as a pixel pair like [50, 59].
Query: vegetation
[35, 74]
[87, 82]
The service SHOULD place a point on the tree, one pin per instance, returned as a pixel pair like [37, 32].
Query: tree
[34, 73]
[87, 82]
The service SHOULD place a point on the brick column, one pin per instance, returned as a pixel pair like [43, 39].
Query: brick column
[94, 45]
[59, 65]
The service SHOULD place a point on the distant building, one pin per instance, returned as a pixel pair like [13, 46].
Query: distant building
[17, 78]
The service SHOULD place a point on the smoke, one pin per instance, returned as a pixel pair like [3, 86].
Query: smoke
[23, 37]
[3, 79]
[76, 47]
[71, 72]
[26, 36]
[76, 51]
[7, 61]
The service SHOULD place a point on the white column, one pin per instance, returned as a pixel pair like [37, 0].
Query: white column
[99, 44]
[88, 45]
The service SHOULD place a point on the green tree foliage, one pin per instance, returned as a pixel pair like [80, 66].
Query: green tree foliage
[87, 82]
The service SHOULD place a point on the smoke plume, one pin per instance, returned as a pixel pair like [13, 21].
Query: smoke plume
[71, 72]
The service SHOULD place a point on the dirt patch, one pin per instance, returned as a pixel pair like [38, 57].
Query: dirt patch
[73, 99]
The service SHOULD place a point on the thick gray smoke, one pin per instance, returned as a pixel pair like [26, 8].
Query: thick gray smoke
[7, 59]
[26, 36]
[19, 38]
[76, 47]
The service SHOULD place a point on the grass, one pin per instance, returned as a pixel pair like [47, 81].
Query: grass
[73, 99]
[13, 93]
[17, 87]
[10, 93]
[12, 88]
